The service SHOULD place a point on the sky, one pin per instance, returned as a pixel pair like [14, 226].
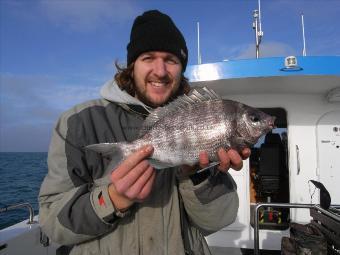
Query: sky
[58, 53]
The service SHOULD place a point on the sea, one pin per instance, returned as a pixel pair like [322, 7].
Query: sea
[21, 174]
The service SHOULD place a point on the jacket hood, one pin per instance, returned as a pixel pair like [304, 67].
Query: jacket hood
[111, 92]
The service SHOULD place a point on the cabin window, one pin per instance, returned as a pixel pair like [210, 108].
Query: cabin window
[269, 173]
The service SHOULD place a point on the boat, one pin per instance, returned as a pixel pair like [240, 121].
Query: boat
[303, 93]
[274, 188]
[305, 99]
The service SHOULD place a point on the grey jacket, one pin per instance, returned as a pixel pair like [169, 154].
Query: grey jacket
[75, 208]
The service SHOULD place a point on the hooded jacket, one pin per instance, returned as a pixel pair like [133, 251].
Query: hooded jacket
[75, 208]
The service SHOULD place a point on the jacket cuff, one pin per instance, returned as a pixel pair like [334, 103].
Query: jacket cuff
[211, 188]
[102, 204]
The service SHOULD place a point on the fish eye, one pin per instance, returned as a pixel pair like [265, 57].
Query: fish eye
[254, 118]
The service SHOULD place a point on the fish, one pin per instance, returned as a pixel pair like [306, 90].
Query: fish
[199, 121]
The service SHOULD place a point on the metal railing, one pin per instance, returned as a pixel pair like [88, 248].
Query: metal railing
[283, 205]
[19, 206]
[273, 205]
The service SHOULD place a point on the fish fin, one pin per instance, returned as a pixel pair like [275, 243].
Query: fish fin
[196, 95]
[158, 164]
[108, 149]
[200, 94]
[209, 167]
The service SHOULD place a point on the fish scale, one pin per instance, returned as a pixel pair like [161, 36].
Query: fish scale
[201, 121]
[189, 140]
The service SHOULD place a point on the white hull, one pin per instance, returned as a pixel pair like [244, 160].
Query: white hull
[23, 238]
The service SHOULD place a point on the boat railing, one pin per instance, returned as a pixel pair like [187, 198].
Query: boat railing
[284, 205]
[19, 206]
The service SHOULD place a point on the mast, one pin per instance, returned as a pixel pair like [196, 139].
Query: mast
[199, 58]
[303, 36]
[259, 5]
[258, 28]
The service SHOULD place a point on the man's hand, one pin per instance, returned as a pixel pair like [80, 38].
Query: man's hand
[227, 158]
[132, 180]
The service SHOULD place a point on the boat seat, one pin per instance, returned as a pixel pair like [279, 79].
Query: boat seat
[268, 175]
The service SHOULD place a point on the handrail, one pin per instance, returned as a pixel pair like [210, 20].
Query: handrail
[256, 218]
[21, 205]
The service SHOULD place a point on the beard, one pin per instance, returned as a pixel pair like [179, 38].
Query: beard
[143, 96]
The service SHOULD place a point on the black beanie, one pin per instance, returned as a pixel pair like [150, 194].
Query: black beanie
[155, 31]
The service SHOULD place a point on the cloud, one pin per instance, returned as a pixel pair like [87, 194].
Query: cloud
[267, 49]
[31, 104]
[88, 15]
[40, 96]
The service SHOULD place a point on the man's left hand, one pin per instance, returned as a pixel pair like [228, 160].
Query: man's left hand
[227, 158]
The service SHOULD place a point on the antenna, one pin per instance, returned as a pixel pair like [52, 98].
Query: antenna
[259, 4]
[303, 36]
[199, 58]
[258, 28]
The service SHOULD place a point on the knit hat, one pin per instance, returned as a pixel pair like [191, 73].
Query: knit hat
[155, 31]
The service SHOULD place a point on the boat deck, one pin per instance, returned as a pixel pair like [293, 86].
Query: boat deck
[235, 251]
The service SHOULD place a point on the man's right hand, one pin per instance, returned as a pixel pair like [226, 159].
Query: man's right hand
[132, 180]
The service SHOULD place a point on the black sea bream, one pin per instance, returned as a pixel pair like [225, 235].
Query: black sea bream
[200, 121]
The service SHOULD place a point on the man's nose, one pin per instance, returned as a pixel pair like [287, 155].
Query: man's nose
[160, 67]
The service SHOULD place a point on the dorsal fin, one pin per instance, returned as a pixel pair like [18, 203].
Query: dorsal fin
[196, 95]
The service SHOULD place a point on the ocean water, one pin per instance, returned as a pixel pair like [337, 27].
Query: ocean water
[21, 175]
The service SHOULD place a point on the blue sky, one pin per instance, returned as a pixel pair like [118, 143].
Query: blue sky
[56, 53]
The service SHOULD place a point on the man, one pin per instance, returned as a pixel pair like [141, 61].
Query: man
[97, 205]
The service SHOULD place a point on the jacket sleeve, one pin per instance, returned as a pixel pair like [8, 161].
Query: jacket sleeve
[72, 208]
[211, 204]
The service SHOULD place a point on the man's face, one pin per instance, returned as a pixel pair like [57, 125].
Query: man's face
[157, 76]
